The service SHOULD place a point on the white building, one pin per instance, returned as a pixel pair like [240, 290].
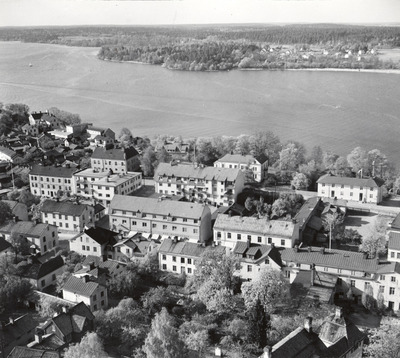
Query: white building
[161, 217]
[257, 165]
[355, 189]
[217, 186]
[118, 160]
[7, 154]
[83, 181]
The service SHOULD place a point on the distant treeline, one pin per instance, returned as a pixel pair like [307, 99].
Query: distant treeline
[200, 48]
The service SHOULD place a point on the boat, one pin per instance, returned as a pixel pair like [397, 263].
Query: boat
[30, 65]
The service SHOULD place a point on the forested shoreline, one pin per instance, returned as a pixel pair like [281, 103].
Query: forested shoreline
[212, 48]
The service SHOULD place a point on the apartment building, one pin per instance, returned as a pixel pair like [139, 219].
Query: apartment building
[211, 185]
[161, 217]
[228, 230]
[42, 237]
[118, 160]
[83, 290]
[257, 165]
[48, 181]
[83, 181]
[67, 216]
[356, 189]
[181, 256]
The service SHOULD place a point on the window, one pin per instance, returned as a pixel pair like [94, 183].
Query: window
[393, 279]
[391, 291]
[154, 225]
[371, 196]
[43, 283]
[249, 268]
[184, 229]
[83, 247]
[164, 266]
[164, 257]
[229, 235]
[298, 264]
[95, 308]
[351, 193]
[94, 297]
[102, 294]
[164, 227]
[102, 302]
[282, 242]
[53, 277]
[219, 234]
[173, 268]
[382, 277]
[352, 283]
[195, 221]
[381, 289]
[189, 261]
[195, 231]
[174, 258]
[239, 236]
[95, 249]
[366, 285]
[249, 237]
[87, 248]
[174, 228]
[189, 270]
[342, 186]
[144, 224]
[184, 220]
[269, 240]
[259, 239]
[182, 260]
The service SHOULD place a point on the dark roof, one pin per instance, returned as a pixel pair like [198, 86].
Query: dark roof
[37, 270]
[90, 258]
[52, 171]
[394, 240]
[114, 153]
[361, 182]
[25, 352]
[4, 244]
[64, 208]
[257, 252]
[21, 326]
[100, 235]
[396, 222]
[80, 287]
[185, 248]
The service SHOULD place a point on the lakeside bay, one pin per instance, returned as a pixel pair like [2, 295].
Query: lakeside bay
[337, 110]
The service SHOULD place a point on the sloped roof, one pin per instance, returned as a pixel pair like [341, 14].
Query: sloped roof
[394, 240]
[340, 259]
[100, 235]
[8, 152]
[27, 228]
[4, 244]
[52, 171]
[156, 207]
[80, 287]
[189, 171]
[395, 224]
[254, 225]
[21, 326]
[114, 153]
[185, 248]
[256, 252]
[36, 270]
[361, 182]
[98, 208]
[25, 352]
[390, 267]
[63, 208]
[90, 258]
[242, 159]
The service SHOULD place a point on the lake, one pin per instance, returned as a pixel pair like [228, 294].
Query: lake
[337, 110]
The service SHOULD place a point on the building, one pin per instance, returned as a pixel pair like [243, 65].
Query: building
[356, 189]
[91, 293]
[132, 248]
[84, 179]
[49, 181]
[19, 210]
[5, 246]
[118, 160]
[68, 216]
[101, 141]
[40, 273]
[17, 332]
[161, 217]
[338, 337]
[257, 165]
[42, 237]
[102, 272]
[217, 186]
[93, 241]
[394, 246]
[26, 352]
[228, 230]
[253, 257]
[98, 131]
[31, 130]
[7, 154]
[105, 188]
[181, 256]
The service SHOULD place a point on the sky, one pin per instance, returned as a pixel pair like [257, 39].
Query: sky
[175, 12]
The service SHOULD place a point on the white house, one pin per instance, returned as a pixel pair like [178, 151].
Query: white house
[118, 160]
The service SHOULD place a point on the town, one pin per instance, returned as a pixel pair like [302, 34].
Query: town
[227, 247]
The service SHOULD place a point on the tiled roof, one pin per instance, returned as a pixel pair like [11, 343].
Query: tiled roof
[114, 153]
[63, 208]
[100, 235]
[396, 222]
[28, 228]
[368, 182]
[156, 207]
[340, 259]
[80, 287]
[390, 267]
[242, 159]
[20, 327]
[394, 240]
[8, 152]
[51, 171]
[25, 352]
[36, 270]
[4, 244]
[90, 258]
[185, 248]
[254, 225]
[189, 171]
[256, 253]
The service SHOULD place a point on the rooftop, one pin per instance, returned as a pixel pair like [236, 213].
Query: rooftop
[185, 248]
[8, 152]
[395, 224]
[91, 173]
[114, 153]
[63, 208]
[100, 235]
[36, 270]
[361, 182]
[243, 159]
[51, 171]
[394, 240]
[28, 228]
[25, 352]
[116, 179]
[80, 287]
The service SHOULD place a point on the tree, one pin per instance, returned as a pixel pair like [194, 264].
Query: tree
[90, 346]
[205, 151]
[316, 155]
[331, 222]
[61, 280]
[148, 161]
[373, 245]
[163, 156]
[217, 299]
[67, 117]
[374, 159]
[157, 298]
[125, 137]
[349, 237]
[125, 284]
[300, 181]
[197, 341]
[163, 340]
[49, 306]
[259, 325]
[14, 292]
[265, 143]
[287, 204]
[20, 244]
[291, 156]
[269, 287]
[358, 160]
[27, 198]
[367, 298]
[329, 159]
[243, 144]
[5, 213]
[384, 342]
[312, 171]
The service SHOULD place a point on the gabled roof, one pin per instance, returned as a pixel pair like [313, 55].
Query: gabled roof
[98, 208]
[361, 182]
[8, 152]
[242, 159]
[157, 207]
[185, 248]
[100, 235]
[189, 171]
[255, 253]
[51, 171]
[25, 352]
[394, 240]
[27, 228]
[80, 287]
[4, 244]
[20, 326]
[395, 224]
[36, 270]
[390, 267]
[114, 153]
[63, 208]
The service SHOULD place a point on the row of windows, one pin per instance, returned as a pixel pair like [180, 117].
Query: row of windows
[87, 248]
[188, 270]
[53, 180]
[99, 161]
[393, 255]
[342, 186]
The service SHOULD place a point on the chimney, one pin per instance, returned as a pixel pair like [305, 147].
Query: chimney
[377, 261]
[248, 243]
[296, 248]
[322, 250]
[85, 278]
[272, 245]
[309, 249]
[267, 352]
[15, 218]
[91, 265]
[38, 335]
[365, 255]
[308, 324]
[338, 313]
[11, 320]
[312, 274]
[65, 309]
[230, 213]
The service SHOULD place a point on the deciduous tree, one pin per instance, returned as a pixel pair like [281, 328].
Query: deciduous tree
[5, 213]
[300, 181]
[90, 346]
[384, 342]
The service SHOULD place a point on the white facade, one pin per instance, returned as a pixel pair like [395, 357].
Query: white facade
[84, 245]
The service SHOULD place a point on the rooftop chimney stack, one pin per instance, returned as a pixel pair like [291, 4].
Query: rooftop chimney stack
[267, 352]
[308, 324]
[338, 313]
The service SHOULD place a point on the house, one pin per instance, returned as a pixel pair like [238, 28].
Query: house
[67, 327]
[181, 256]
[99, 211]
[118, 160]
[102, 272]
[161, 217]
[49, 181]
[338, 337]
[7, 154]
[394, 246]
[228, 230]
[42, 237]
[31, 130]
[367, 190]
[212, 185]
[41, 274]
[91, 293]
[17, 332]
[102, 141]
[19, 210]
[132, 248]
[25, 352]
[176, 149]
[67, 216]
[98, 131]
[93, 241]
[254, 256]
[257, 165]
